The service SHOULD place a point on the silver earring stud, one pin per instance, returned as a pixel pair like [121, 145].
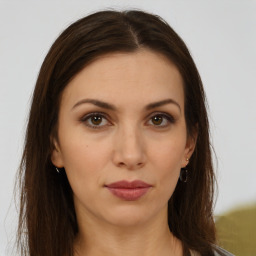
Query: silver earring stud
[58, 171]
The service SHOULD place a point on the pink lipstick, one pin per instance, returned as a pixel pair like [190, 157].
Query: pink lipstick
[129, 191]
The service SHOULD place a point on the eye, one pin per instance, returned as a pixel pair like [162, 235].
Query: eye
[161, 120]
[95, 120]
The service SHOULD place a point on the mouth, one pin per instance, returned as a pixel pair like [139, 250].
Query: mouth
[129, 191]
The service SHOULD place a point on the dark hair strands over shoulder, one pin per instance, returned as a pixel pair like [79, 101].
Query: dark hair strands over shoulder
[47, 222]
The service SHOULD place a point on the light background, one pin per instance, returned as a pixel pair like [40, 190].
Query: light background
[222, 39]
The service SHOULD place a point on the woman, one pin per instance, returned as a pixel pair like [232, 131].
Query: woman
[117, 156]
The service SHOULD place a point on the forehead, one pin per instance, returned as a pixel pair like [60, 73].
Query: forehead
[140, 76]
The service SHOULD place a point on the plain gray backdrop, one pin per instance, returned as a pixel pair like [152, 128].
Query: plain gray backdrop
[222, 39]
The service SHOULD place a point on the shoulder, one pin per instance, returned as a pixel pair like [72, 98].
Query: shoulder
[218, 251]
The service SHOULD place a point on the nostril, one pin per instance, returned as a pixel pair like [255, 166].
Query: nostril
[131, 166]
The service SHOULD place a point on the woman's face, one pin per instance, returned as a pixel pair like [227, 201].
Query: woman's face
[121, 120]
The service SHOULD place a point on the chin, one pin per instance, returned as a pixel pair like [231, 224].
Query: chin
[128, 216]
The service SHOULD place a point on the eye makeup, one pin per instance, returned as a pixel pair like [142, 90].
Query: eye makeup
[100, 120]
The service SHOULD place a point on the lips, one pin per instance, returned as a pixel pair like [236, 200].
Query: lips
[129, 191]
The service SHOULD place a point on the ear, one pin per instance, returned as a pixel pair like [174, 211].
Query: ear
[189, 149]
[56, 155]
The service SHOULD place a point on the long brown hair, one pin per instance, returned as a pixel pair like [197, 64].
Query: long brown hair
[47, 221]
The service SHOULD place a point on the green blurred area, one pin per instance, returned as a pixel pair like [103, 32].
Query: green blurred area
[236, 231]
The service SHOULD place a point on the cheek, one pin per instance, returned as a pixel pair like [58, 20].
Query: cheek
[84, 161]
[167, 161]
[169, 153]
[79, 148]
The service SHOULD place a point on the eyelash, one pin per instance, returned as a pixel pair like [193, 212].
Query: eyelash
[169, 118]
[85, 119]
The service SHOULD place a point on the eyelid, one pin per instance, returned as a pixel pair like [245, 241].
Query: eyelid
[96, 113]
[86, 117]
[161, 113]
[170, 118]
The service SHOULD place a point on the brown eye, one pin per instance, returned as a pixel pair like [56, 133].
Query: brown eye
[157, 120]
[96, 120]
[161, 120]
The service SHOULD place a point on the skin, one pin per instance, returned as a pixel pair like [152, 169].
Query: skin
[128, 144]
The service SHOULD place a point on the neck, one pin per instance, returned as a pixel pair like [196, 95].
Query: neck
[146, 239]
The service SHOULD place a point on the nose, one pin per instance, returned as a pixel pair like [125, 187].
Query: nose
[129, 149]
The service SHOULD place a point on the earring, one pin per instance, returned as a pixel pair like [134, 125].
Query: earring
[58, 171]
[184, 175]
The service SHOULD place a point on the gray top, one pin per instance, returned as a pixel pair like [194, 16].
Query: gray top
[218, 252]
[221, 252]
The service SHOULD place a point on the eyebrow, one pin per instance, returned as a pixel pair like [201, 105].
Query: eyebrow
[109, 106]
[98, 103]
[161, 103]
